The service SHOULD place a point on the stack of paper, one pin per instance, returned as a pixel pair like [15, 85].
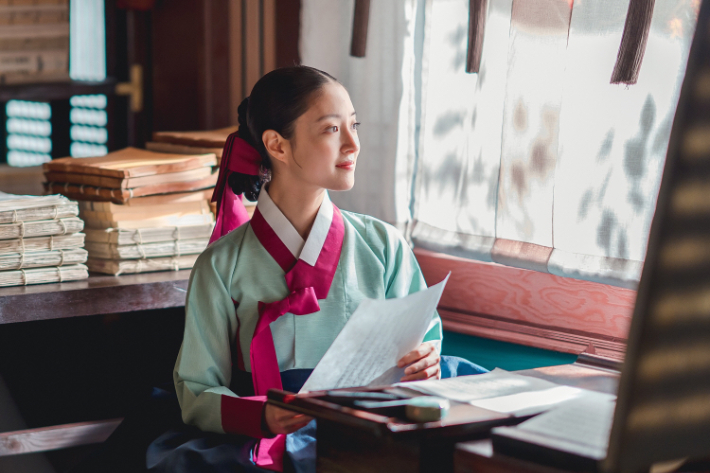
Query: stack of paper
[40, 240]
[34, 43]
[505, 392]
[139, 238]
[144, 211]
[191, 142]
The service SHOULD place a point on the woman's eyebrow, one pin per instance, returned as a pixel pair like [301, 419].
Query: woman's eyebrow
[333, 115]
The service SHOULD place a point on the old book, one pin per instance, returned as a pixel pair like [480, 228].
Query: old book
[205, 139]
[32, 62]
[197, 206]
[173, 199]
[168, 221]
[60, 226]
[40, 213]
[90, 215]
[10, 78]
[37, 259]
[182, 149]
[120, 196]
[129, 182]
[147, 235]
[11, 202]
[23, 277]
[59, 242]
[118, 267]
[130, 163]
[146, 250]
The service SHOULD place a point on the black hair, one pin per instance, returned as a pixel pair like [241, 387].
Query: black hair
[276, 101]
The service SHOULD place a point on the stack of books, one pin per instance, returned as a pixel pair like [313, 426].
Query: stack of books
[144, 211]
[191, 142]
[40, 240]
[34, 44]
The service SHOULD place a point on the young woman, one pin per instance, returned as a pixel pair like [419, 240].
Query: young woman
[268, 298]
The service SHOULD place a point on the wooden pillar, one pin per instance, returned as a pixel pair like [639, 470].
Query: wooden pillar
[361, 18]
[476, 29]
[633, 42]
[140, 124]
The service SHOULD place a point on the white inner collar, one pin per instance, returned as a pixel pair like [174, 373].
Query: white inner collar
[307, 250]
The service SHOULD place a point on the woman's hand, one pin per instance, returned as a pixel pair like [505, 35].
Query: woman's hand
[423, 363]
[282, 421]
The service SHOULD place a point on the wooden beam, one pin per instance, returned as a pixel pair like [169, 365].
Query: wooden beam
[236, 48]
[361, 18]
[252, 41]
[476, 29]
[633, 42]
[55, 437]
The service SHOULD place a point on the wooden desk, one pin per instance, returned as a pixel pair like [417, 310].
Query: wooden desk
[478, 456]
[96, 295]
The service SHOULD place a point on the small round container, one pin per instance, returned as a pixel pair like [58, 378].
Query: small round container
[427, 408]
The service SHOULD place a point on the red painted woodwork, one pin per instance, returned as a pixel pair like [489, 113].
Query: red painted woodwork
[529, 307]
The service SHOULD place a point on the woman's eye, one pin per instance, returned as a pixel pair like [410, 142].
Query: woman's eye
[333, 128]
[356, 125]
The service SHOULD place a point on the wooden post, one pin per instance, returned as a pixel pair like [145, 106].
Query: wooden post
[633, 42]
[360, 23]
[61, 126]
[476, 28]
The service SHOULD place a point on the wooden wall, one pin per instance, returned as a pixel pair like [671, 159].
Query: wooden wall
[207, 54]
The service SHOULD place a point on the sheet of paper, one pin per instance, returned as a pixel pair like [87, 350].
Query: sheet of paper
[378, 334]
[481, 386]
[535, 402]
[581, 426]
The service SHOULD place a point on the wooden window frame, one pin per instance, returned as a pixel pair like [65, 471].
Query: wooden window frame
[529, 307]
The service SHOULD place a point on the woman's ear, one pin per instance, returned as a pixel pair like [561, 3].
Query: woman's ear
[276, 145]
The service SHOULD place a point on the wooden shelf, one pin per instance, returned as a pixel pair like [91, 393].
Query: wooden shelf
[45, 91]
[94, 296]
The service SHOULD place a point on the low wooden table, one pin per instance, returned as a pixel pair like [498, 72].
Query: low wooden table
[354, 440]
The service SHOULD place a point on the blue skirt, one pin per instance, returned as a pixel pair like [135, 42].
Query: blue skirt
[188, 449]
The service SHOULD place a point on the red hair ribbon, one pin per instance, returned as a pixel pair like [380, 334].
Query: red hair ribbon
[237, 156]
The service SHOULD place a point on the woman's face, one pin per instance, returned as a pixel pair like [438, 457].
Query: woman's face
[325, 145]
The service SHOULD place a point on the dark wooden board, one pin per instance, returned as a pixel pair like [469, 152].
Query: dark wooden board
[94, 296]
[56, 90]
[55, 437]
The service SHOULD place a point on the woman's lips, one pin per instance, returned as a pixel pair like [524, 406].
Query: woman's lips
[346, 165]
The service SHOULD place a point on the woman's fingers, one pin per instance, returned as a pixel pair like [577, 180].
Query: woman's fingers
[432, 372]
[417, 354]
[429, 360]
[282, 421]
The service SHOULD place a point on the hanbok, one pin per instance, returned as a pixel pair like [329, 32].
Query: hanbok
[262, 308]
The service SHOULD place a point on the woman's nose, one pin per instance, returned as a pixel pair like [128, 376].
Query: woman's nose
[351, 142]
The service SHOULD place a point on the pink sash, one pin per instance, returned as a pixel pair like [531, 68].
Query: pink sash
[307, 284]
